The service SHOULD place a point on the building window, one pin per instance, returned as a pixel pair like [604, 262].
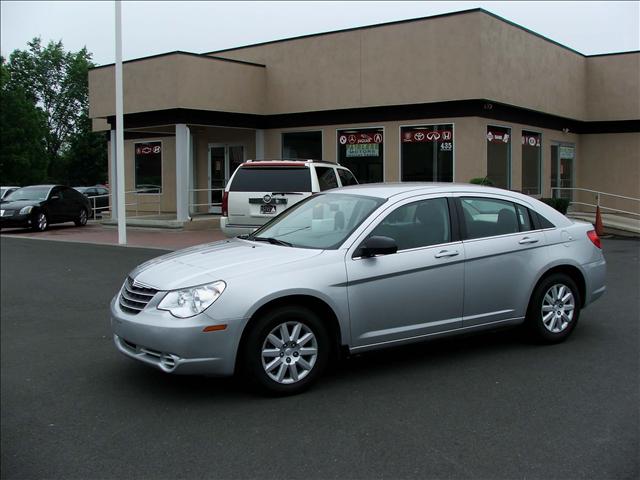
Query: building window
[148, 168]
[362, 152]
[499, 156]
[531, 162]
[427, 153]
[304, 145]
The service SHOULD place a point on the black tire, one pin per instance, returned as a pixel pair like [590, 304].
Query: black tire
[83, 216]
[39, 222]
[549, 319]
[256, 370]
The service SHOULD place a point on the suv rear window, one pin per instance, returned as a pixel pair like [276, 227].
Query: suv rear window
[270, 179]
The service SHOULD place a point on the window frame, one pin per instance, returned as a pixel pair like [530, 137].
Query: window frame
[540, 161]
[367, 127]
[321, 131]
[355, 245]
[453, 133]
[135, 173]
[509, 160]
[535, 223]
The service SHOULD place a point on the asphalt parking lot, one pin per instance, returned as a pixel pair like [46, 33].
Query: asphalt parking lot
[484, 406]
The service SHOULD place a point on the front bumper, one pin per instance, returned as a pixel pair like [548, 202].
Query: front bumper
[16, 221]
[175, 345]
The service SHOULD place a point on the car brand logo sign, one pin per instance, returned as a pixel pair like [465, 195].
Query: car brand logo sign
[266, 198]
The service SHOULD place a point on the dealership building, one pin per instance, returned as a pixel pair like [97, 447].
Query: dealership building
[445, 98]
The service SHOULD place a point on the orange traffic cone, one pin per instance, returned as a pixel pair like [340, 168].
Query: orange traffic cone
[599, 226]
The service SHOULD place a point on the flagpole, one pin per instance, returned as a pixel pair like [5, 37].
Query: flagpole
[122, 221]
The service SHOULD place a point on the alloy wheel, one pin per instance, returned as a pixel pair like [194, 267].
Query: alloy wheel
[83, 217]
[41, 221]
[558, 307]
[289, 352]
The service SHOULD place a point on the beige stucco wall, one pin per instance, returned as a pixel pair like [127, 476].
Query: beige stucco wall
[470, 155]
[611, 163]
[613, 87]
[179, 81]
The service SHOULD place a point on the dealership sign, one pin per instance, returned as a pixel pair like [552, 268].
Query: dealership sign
[419, 136]
[360, 138]
[363, 150]
[148, 148]
[531, 140]
[498, 137]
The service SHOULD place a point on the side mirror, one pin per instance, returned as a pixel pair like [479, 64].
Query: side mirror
[373, 246]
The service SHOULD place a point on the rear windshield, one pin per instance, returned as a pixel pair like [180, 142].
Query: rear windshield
[270, 179]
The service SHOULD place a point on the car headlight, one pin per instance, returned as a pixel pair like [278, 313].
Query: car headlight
[192, 301]
[25, 210]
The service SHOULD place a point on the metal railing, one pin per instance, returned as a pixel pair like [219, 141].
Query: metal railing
[137, 194]
[95, 209]
[193, 205]
[598, 196]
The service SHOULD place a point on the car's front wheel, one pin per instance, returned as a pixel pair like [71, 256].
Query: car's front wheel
[82, 218]
[40, 222]
[286, 350]
[554, 308]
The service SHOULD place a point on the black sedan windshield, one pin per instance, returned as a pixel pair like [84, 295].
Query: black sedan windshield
[28, 193]
[321, 221]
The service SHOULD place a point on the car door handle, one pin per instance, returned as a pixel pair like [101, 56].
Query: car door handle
[526, 240]
[446, 253]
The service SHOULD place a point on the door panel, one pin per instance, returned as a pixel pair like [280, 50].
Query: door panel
[407, 294]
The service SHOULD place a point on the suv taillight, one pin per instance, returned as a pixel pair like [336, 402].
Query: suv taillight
[595, 239]
[225, 204]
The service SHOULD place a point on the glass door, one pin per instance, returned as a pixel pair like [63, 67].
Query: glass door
[562, 165]
[223, 161]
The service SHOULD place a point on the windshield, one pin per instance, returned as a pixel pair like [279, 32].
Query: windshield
[322, 221]
[28, 193]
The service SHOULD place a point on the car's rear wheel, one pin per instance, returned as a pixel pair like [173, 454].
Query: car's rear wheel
[286, 350]
[82, 218]
[40, 222]
[554, 308]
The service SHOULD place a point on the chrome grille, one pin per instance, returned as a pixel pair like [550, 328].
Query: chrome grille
[133, 298]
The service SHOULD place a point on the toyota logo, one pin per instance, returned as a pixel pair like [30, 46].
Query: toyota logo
[419, 136]
[266, 198]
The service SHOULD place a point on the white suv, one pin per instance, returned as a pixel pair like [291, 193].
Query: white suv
[261, 189]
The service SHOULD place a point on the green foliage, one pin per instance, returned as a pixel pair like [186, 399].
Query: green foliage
[55, 83]
[482, 181]
[23, 158]
[560, 204]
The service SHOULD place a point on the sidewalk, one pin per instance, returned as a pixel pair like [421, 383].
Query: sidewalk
[136, 237]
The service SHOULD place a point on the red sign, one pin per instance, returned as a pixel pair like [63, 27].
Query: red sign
[498, 137]
[531, 140]
[359, 138]
[413, 136]
[147, 149]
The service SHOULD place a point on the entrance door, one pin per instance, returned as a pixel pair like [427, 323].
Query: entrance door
[562, 173]
[223, 161]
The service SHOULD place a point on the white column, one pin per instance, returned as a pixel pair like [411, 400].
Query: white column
[113, 168]
[259, 144]
[182, 172]
[122, 220]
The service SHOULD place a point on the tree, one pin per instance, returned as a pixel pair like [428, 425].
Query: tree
[23, 158]
[56, 82]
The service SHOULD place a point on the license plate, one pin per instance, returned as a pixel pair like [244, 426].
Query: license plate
[268, 209]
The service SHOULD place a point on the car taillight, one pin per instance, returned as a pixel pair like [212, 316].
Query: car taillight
[595, 239]
[225, 204]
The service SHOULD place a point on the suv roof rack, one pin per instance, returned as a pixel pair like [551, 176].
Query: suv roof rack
[284, 159]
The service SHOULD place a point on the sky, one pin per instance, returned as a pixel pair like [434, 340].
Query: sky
[151, 27]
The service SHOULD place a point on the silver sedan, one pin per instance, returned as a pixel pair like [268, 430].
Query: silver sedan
[357, 269]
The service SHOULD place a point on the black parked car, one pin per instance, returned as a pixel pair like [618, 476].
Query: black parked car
[98, 198]
[39, 206]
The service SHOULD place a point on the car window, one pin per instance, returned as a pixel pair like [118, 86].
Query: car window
[524, 218]
[417, 224]
[271, 179]
[326, 178]
[346, 177]
[486, 217]
[321, 221]
[90, 191]
[103, 191]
